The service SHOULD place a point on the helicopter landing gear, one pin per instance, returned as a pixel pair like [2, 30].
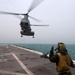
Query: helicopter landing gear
[33, 36]
[21, 35]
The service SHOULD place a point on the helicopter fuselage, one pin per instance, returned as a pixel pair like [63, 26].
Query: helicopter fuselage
[25, 27]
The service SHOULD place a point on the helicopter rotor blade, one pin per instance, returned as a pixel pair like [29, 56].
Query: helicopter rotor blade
[2, 12]
[34, 4]
[18, 16]
[39, 25]
[35, 19]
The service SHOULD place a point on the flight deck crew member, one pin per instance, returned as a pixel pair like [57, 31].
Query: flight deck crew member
[62, 59]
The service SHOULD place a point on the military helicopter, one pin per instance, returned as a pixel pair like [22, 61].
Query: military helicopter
[25, 23]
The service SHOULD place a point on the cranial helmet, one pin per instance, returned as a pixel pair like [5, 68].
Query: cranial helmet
[61, 46]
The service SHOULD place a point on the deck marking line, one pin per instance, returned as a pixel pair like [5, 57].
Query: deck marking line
[39, 53]
[6, 46]
[22, 65]
[13, 73]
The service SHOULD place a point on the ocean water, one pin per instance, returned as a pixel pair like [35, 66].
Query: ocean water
[45, 48]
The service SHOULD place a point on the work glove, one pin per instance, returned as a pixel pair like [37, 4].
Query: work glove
[73, 66]
[52, 49]
[51, 52]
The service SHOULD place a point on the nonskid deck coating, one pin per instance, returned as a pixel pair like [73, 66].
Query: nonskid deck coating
[18, 61]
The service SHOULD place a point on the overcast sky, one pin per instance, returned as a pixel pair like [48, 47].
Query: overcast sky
[59, 14]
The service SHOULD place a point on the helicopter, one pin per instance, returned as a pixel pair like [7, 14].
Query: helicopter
[25, 23]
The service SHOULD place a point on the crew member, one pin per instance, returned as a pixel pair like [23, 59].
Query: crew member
[62, 59]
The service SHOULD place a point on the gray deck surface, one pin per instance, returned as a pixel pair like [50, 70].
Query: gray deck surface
[17, 61]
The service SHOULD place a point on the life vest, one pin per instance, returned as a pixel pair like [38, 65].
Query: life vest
[64, 62]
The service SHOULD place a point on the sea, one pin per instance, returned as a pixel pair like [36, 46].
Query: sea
[45, 48]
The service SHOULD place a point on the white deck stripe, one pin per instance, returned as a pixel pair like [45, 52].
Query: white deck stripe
[6, 46]
[13, 73]
[33, 51]
[22, 65]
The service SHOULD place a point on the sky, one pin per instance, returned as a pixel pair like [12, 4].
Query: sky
[58, 14]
